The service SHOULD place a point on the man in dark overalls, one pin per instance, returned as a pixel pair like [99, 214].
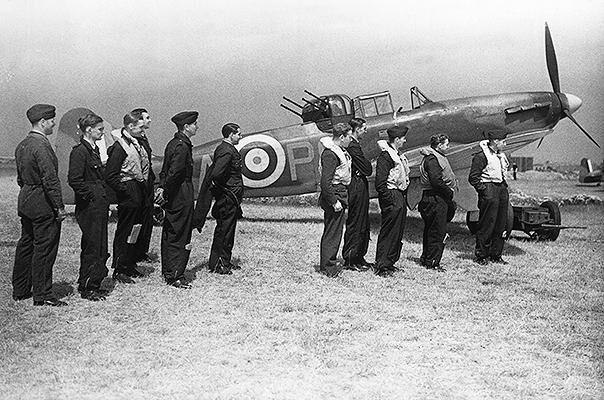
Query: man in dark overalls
[335, 178]
[40, 206]
[87, 179]
[356, 237]
[436, 207]
[487, 175]
[227, 190]
[144, 238]
[126, 172]
[177, 190]
[391, 183]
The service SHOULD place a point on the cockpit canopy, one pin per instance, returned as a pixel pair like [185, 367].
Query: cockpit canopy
[372, 105]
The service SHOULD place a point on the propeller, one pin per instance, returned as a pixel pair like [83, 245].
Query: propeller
[569, 102]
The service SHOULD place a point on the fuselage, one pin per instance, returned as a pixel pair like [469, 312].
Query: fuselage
[284, 161]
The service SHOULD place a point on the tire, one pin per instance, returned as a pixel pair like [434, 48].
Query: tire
[556, 219]
[509, 225]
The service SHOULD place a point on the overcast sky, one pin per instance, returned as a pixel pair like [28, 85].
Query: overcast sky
[233, 60]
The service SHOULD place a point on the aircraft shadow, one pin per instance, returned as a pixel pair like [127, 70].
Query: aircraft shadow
[460, 239]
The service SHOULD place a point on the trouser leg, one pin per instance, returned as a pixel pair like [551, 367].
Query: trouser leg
[356, 237]
[93, 221]
[434, 212]
[225, 212]
[389, 243]
[331, 238]
[488, 206]
[47, 233]
[22, 269]
[124, 253]
[144, 240]
[497, 239]
[176, 242]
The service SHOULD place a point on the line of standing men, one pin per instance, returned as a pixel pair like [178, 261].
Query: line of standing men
[342, 160]
[128, 172]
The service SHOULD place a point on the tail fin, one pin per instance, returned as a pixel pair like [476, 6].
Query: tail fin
[68, 135]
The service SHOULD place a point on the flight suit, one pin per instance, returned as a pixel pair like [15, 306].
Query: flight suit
[356, 238]
[176, 180]
[436, 206]
[228, 193]
[335, 177]
[142, 245]
[87, 179]
[39, 201]
[487, 177]
[393, 205]
[130, 191]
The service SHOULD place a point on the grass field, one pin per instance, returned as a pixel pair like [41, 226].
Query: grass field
[277, 329]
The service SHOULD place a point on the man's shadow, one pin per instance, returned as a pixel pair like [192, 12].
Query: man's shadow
[191, 274]
[62, 289]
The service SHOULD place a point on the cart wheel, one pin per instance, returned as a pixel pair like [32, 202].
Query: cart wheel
[472, 225]
[509, 225]
[556, 219]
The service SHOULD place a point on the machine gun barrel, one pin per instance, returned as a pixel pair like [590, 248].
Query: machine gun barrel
[293, 102]
[289, 109]
[317, 97]
[313, 105]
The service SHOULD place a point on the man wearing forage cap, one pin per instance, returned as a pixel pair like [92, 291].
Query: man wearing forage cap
[40, 206]
[176, 190]
[391, 183]
[487, 175]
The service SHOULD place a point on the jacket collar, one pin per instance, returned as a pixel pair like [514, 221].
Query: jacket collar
[184, 138]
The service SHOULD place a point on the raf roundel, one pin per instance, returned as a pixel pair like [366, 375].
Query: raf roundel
[263, 160]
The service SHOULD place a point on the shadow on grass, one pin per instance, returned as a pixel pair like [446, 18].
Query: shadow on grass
[62, 289]
[459, 235]
[301, 220]
[191, 274]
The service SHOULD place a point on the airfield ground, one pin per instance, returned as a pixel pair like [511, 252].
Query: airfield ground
[277, 329]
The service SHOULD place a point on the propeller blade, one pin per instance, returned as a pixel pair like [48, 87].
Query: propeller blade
[569, 116]
[552, 63]
[540, 141]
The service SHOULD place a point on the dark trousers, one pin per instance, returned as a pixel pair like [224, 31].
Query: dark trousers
[331, 238]
[144, 238]
[433, 210]
[225, 211]
[389, 244]
[124, 253]
[35, 256]
[93, 219]
[356, 238]
[493, 205]
[176, 241]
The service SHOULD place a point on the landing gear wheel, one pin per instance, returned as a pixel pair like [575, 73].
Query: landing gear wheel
[556, 219]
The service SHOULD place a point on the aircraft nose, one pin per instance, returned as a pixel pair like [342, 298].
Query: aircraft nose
[573, 102]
